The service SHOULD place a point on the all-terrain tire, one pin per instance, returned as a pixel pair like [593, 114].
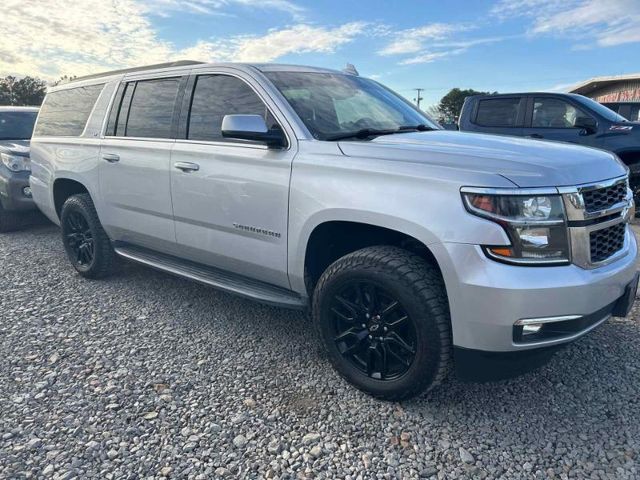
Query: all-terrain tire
[76, 209]
[419, 289]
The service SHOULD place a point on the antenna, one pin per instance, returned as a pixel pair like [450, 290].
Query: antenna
[351, 70]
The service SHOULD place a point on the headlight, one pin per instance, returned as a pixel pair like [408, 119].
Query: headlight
[535, 224]
[16, 163]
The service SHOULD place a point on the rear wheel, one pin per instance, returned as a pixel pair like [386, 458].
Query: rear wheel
[88, 246]
[383, 316]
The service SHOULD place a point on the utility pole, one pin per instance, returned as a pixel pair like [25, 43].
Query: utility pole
[418, 98]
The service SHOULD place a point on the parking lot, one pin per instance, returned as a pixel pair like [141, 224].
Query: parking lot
[147, 375]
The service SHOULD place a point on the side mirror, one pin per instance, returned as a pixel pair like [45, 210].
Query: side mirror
[253, 128]
[588, 125]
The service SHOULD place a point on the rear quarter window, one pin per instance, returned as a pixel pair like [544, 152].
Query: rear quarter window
[498, 112]
[65, 112]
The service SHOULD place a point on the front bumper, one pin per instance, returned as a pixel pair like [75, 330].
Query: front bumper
[487, 298]
[12, 193]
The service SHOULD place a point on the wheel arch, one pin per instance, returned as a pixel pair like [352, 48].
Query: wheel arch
[63, 188]
[337, 233]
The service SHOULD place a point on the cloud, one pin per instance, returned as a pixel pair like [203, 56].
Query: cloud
[412, 40]
[429, 57]
[219, 7]
[65, 37]
[603, 23]
[431, 42]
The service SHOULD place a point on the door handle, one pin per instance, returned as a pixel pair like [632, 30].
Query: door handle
[187, 166]
[535, 135]
[111, 157]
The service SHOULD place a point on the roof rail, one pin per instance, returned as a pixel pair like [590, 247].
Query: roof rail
[179, 63]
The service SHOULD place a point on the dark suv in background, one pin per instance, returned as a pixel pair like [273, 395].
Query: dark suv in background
[564, 117]
[16, 127]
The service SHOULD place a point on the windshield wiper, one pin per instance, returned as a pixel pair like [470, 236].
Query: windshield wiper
[365, 133]
[420, 128]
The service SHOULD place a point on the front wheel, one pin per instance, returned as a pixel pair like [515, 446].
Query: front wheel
[383, 316]
[88, 246]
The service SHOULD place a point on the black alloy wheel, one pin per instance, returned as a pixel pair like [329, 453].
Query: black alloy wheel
[80, 243]
[373, 331]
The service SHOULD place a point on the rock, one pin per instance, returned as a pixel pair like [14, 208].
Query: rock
[310, 438]
[165, 471]
[34, 443]
[150, 415]
[250, 402]
[48, 470]
[111, 454]
[221, 472]
[316, 451]
[465, 456]
[240, 441]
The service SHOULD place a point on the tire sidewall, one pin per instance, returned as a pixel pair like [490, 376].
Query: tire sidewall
[428, 348]
[75, 205]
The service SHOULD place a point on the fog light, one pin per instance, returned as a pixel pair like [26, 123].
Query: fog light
[531, 328]
[26, 191]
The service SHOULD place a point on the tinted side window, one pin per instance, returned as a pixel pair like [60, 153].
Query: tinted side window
[215, 96]
[65, 112]
[150, 113]
[498, 112]
[554, 113]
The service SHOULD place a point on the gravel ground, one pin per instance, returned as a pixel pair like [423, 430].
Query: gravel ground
[145, 375]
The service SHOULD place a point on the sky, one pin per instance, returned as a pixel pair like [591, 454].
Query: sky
[489, 45]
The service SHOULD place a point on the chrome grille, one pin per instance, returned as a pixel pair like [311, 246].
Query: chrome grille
[606, 242]
[597, 217]
[604, 198]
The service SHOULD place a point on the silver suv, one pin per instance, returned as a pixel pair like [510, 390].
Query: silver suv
[416, 249]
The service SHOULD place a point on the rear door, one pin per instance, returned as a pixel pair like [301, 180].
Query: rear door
[136, 162]
[554, 118]
[230, 197]
[501, 114]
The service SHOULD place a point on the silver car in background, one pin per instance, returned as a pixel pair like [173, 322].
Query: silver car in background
[416, 249]
[16, 127]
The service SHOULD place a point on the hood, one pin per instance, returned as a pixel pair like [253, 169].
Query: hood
[525, 162]
[15, 147]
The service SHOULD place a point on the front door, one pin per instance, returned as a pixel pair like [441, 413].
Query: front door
[551, 118]
[230, 198]
[136, 164]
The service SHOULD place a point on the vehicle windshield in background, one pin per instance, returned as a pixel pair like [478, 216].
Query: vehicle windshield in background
[335, 106]
[17, 125]
[606, 112]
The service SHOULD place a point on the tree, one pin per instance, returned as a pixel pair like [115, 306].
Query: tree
[28, 91]
[451, 104]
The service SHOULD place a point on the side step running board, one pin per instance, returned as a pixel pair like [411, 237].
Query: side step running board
[220, 279]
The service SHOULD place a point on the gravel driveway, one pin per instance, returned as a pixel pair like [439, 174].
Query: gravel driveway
[146, 375]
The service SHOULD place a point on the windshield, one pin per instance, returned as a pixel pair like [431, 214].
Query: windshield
[17, 125]
[333, 105]
[600, 109]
